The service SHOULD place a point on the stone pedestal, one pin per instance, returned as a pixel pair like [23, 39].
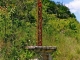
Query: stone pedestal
[43, 51]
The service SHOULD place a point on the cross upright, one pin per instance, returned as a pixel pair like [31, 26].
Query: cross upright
[39, 23]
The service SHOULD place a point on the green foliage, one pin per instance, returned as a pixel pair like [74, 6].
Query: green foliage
[59, 9]
[18, 29]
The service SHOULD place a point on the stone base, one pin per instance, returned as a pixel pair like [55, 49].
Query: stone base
[43, 51]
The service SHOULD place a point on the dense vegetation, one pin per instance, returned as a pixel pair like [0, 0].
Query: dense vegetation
[18, 29]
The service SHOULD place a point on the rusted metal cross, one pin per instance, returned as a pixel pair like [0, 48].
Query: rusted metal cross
[39, 23]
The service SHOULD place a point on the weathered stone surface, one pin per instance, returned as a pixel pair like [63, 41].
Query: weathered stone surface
[44, 51]
[42, 48]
